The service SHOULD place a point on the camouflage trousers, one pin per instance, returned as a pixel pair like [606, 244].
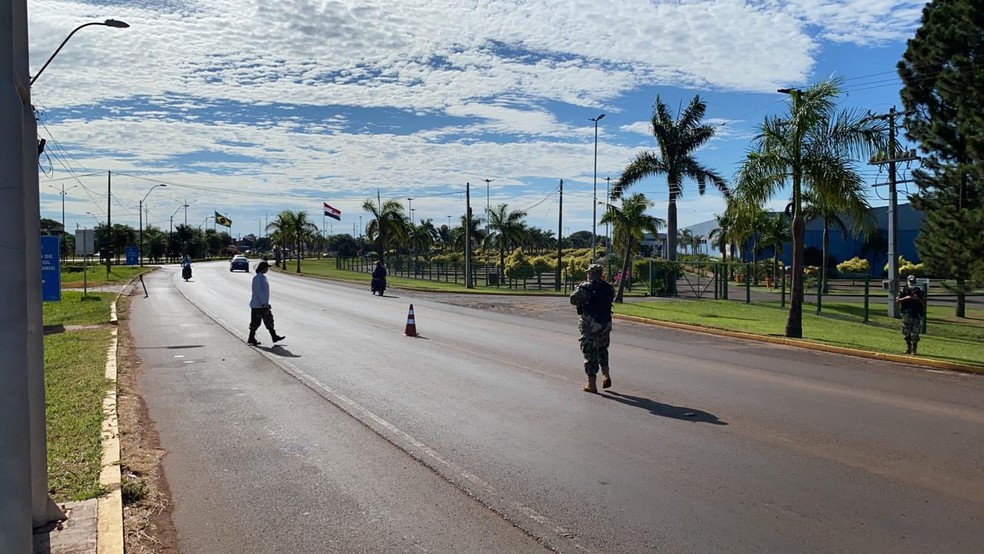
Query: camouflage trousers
[911, 325]
[595, 338]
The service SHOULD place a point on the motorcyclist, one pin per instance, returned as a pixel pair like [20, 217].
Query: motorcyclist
[186, 267]
[379, 278]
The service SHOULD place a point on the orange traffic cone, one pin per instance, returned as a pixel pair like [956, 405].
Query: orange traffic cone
[411, 330]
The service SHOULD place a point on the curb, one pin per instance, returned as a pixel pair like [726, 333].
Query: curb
[109, 518]
[109, 508]
[898, 358]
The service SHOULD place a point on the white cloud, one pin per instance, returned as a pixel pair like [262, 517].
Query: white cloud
[489, 70]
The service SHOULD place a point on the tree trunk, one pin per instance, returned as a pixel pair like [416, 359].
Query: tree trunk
[671, 224]
[297, 254]
[794, 323]
[823, 263]
[625, 270]
[961, 299]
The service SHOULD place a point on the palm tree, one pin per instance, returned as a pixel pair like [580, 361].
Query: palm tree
[686, 239]
[388, 225]
[813, 147]
[422, 237]
[629, 223]
[853, 204]
[508, 229]
[750, 222]
[775, 233]
[290, 228]
[720, 237]
[678, 140]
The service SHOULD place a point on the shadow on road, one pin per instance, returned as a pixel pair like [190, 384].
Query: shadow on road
[278, 350]
[664, 410]
[175, 347]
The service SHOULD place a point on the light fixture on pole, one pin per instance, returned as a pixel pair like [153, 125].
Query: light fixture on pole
[63, 192]
[108, 23]
[410, 209]
[140, 209]
[594, 202]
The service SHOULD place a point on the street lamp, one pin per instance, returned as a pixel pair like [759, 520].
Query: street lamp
[63, 192]
[594, 207]
[140, 209]
[108, 23]
[170, 228]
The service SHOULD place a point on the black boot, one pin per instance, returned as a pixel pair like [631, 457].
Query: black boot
[276, 337]
[915, 346]
[252, 340]
[908, 347]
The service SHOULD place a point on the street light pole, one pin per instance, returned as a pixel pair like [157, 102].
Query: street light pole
[140, 209]
[594, 201]
[107, 23]
[63, 192]
[488, 206]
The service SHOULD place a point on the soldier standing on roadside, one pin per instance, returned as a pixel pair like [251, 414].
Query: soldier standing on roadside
[593, 299]
[910, 300]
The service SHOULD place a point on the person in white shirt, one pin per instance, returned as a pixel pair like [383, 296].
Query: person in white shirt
[260, 306]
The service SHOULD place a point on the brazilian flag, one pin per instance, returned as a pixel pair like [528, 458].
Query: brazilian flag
[222, 220]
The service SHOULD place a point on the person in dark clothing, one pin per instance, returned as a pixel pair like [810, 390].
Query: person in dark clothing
[378, 278]
[593, 300]
[910, 300]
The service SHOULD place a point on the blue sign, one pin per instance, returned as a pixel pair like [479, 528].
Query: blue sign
[50, 269]
[132, 255]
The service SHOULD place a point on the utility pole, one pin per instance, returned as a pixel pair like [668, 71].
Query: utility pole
[488, 206]
[594, 197]
[560, 234]
[892, 157]
[468, 218]
[109, 223]
[608, 195]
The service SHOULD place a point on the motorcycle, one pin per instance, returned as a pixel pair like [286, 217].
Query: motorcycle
[186, 272]
[378, 284]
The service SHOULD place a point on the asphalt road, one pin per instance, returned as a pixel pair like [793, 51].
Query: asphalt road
[475, 437]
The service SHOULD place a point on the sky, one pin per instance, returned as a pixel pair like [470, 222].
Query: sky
[247, 107]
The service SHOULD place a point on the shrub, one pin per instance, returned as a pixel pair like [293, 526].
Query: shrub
[518, 266]
[908, 268]
[855, 265]
[544, 264]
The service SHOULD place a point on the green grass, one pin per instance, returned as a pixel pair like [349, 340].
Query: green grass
[76, 309]
[840, 324]
[325, 268]
[95, 275]
[75, 384]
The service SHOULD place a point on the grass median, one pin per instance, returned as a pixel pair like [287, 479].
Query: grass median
[76, 339]
[77, 275]
[947, 338]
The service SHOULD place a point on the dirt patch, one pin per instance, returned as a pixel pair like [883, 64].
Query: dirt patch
[147, 521]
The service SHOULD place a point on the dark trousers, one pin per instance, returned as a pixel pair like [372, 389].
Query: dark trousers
[258, 315]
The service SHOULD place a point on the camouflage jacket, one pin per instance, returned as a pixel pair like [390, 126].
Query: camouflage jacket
[594, 299]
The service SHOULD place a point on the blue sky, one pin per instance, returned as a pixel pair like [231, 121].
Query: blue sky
[249, 108]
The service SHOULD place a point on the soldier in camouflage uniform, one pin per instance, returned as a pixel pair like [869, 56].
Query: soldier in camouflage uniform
[910, 300]
[593, 299]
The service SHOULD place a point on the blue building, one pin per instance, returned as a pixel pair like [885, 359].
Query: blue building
[841, 246]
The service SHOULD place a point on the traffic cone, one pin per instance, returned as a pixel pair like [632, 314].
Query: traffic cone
[411, 330]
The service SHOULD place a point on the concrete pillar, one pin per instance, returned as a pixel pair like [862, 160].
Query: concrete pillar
[15, 437]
